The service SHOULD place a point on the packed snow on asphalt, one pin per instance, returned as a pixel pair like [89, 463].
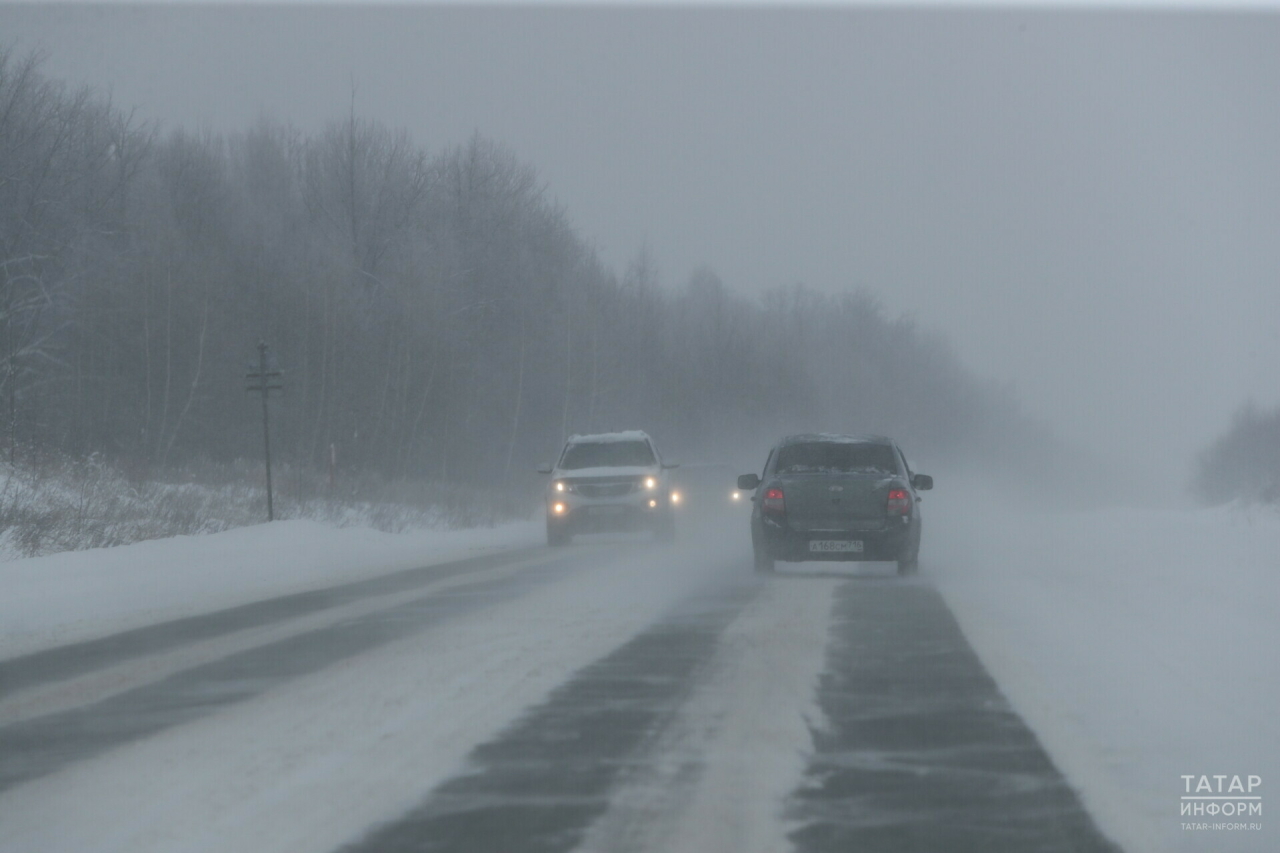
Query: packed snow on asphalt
[1044, 684]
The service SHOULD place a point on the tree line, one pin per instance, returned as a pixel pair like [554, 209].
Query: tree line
[1244, 462]
[434, 313]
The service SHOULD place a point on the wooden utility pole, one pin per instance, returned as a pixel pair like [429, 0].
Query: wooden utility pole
[261, 381]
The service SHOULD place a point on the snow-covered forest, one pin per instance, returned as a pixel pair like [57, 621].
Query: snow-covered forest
[434, 310]
[1244, 462]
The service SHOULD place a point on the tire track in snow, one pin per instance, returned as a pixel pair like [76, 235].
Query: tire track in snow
[99, 684]
[539, 786]
[921, 752]
[42, 745]
[717, 781]
[74, 659]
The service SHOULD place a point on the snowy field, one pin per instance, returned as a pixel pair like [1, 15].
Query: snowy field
[1140, 645]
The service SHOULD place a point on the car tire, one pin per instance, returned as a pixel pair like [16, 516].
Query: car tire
[764, 562]
[911, 565]
[558, 536]
[665, 531]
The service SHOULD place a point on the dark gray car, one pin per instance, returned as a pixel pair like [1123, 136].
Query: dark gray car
[836, 497]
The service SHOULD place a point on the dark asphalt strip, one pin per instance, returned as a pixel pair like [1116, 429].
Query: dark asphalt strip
[540, 785]
[923, 753]
[36, 747]
[78, 658]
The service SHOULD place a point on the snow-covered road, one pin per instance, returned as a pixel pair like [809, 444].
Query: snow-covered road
[611, 696]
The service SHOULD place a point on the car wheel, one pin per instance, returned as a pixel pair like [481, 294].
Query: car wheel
[557, 535]
[764, 562]
[665, 531]
[910, 565]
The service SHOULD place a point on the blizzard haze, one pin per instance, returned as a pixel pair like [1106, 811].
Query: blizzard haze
[1036, 247]
[1085, 203]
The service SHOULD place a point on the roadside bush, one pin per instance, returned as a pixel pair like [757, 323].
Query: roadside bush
[55, 503]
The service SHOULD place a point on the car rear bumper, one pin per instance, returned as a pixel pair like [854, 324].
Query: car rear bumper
[793, 546]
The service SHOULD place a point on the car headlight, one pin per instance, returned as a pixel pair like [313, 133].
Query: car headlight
[560, 487]
[675, 497]
[650, 483]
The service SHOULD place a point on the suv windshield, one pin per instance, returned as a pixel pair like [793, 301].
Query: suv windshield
[607, 454]
[824, 457]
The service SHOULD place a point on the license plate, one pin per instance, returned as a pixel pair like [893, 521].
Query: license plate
[605, 510]
[826, 546]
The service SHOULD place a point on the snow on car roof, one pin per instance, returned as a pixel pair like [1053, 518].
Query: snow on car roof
[835, 438]
[603, 437]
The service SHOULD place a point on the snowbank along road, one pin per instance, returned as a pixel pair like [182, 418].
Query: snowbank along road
[611, 696]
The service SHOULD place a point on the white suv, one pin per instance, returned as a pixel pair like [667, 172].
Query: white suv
[610, 481]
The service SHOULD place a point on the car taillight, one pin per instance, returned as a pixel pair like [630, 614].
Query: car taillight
[773, 501]
[899, 503]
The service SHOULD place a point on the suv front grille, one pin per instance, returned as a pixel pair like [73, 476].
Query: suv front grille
[604, 490]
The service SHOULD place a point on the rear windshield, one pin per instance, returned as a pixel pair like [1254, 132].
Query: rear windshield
[607, 454]
[823, 457]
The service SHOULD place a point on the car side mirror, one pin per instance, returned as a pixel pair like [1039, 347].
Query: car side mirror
[748, 482]
[544, 468]
[923, 482]
[670, 464]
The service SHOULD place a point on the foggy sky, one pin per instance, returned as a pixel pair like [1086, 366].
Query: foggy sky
[1087, 204]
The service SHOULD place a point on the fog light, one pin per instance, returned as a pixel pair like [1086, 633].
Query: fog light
[652, 504]
[558, 509]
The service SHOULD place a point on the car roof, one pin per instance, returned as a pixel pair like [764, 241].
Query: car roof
[605, 437]
[833, 438]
